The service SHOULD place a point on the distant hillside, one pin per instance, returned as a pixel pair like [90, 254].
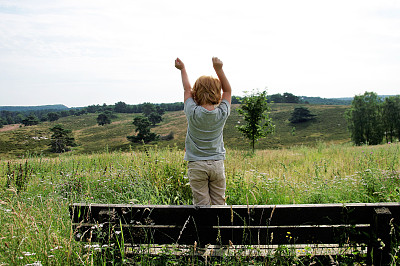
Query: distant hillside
[56, 107]
[328, 126]
[326, 101]
[332, 101]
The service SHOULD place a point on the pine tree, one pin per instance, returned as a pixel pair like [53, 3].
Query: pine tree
[142, 124]
[61, 139]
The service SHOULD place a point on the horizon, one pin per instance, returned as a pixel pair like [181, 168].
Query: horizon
[57, 104]
[156, 103]
[53, 104]
[82, 53]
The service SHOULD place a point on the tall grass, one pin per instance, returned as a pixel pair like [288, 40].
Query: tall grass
[35, 192]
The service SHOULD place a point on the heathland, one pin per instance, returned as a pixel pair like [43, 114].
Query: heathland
[329, 126]
[312, 162]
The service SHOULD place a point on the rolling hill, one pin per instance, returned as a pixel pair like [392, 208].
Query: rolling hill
[329, 126]
[54, 107]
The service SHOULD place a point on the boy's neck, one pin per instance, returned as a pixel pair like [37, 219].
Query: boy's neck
[208, 107]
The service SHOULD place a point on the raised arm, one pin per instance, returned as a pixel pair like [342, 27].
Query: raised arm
[226, 87]
[185, 80]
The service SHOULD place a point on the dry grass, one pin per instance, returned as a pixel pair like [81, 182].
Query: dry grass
[35, 192]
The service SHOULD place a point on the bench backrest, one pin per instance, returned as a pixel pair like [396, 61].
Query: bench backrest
[224, 225]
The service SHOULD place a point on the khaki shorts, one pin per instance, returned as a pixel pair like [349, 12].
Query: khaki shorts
[207, 180]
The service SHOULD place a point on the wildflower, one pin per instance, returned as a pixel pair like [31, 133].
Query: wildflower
[37, 263]
[28, 253]
[57, 247]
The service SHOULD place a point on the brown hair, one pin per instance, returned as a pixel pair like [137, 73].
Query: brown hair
[207, 90]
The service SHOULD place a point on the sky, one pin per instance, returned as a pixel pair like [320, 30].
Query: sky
[85, 52]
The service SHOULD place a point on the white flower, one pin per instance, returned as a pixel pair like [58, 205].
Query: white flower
[37, 263]
[28, 253]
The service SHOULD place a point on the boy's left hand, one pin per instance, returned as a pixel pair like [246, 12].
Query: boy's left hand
[217, 63]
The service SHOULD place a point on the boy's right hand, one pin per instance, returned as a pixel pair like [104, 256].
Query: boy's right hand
[179, 64]
[217, 63]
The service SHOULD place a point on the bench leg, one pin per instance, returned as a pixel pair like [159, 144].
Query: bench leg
[380, 238]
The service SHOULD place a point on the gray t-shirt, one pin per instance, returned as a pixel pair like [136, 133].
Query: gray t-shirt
[204, 140]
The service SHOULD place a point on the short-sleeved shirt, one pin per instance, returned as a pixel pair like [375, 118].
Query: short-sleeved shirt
[204, 137]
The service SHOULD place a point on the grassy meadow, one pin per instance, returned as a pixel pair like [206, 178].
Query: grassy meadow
[35, 191]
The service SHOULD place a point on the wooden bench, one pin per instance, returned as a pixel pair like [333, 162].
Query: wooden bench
[367, 227]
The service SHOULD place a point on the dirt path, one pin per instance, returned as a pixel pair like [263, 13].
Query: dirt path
[9, 127]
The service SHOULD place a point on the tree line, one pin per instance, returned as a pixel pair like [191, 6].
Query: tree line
[373, 120]
[273, 98]
[34, 117]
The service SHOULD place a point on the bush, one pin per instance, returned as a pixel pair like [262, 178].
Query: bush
[300, 115]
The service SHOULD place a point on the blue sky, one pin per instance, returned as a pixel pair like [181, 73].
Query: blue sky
[81, 52]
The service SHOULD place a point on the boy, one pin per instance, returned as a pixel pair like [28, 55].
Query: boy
[206, 111]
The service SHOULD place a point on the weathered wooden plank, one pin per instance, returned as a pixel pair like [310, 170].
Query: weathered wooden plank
[238, 215]
[259, 224]
[223, 235]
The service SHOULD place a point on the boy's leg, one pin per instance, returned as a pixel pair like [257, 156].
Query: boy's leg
[217, 183]
[198, 179]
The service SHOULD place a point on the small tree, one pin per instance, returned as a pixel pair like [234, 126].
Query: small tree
[61, 139]
[104, 118]
[276, 98]
[290, 98]
[255, 112]
[148, 108]
[154, 118]
[30, 120]
[300, 115]
[121, 107]
[153, 112]
[143, 130]
[160, 110]
[53, 116]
